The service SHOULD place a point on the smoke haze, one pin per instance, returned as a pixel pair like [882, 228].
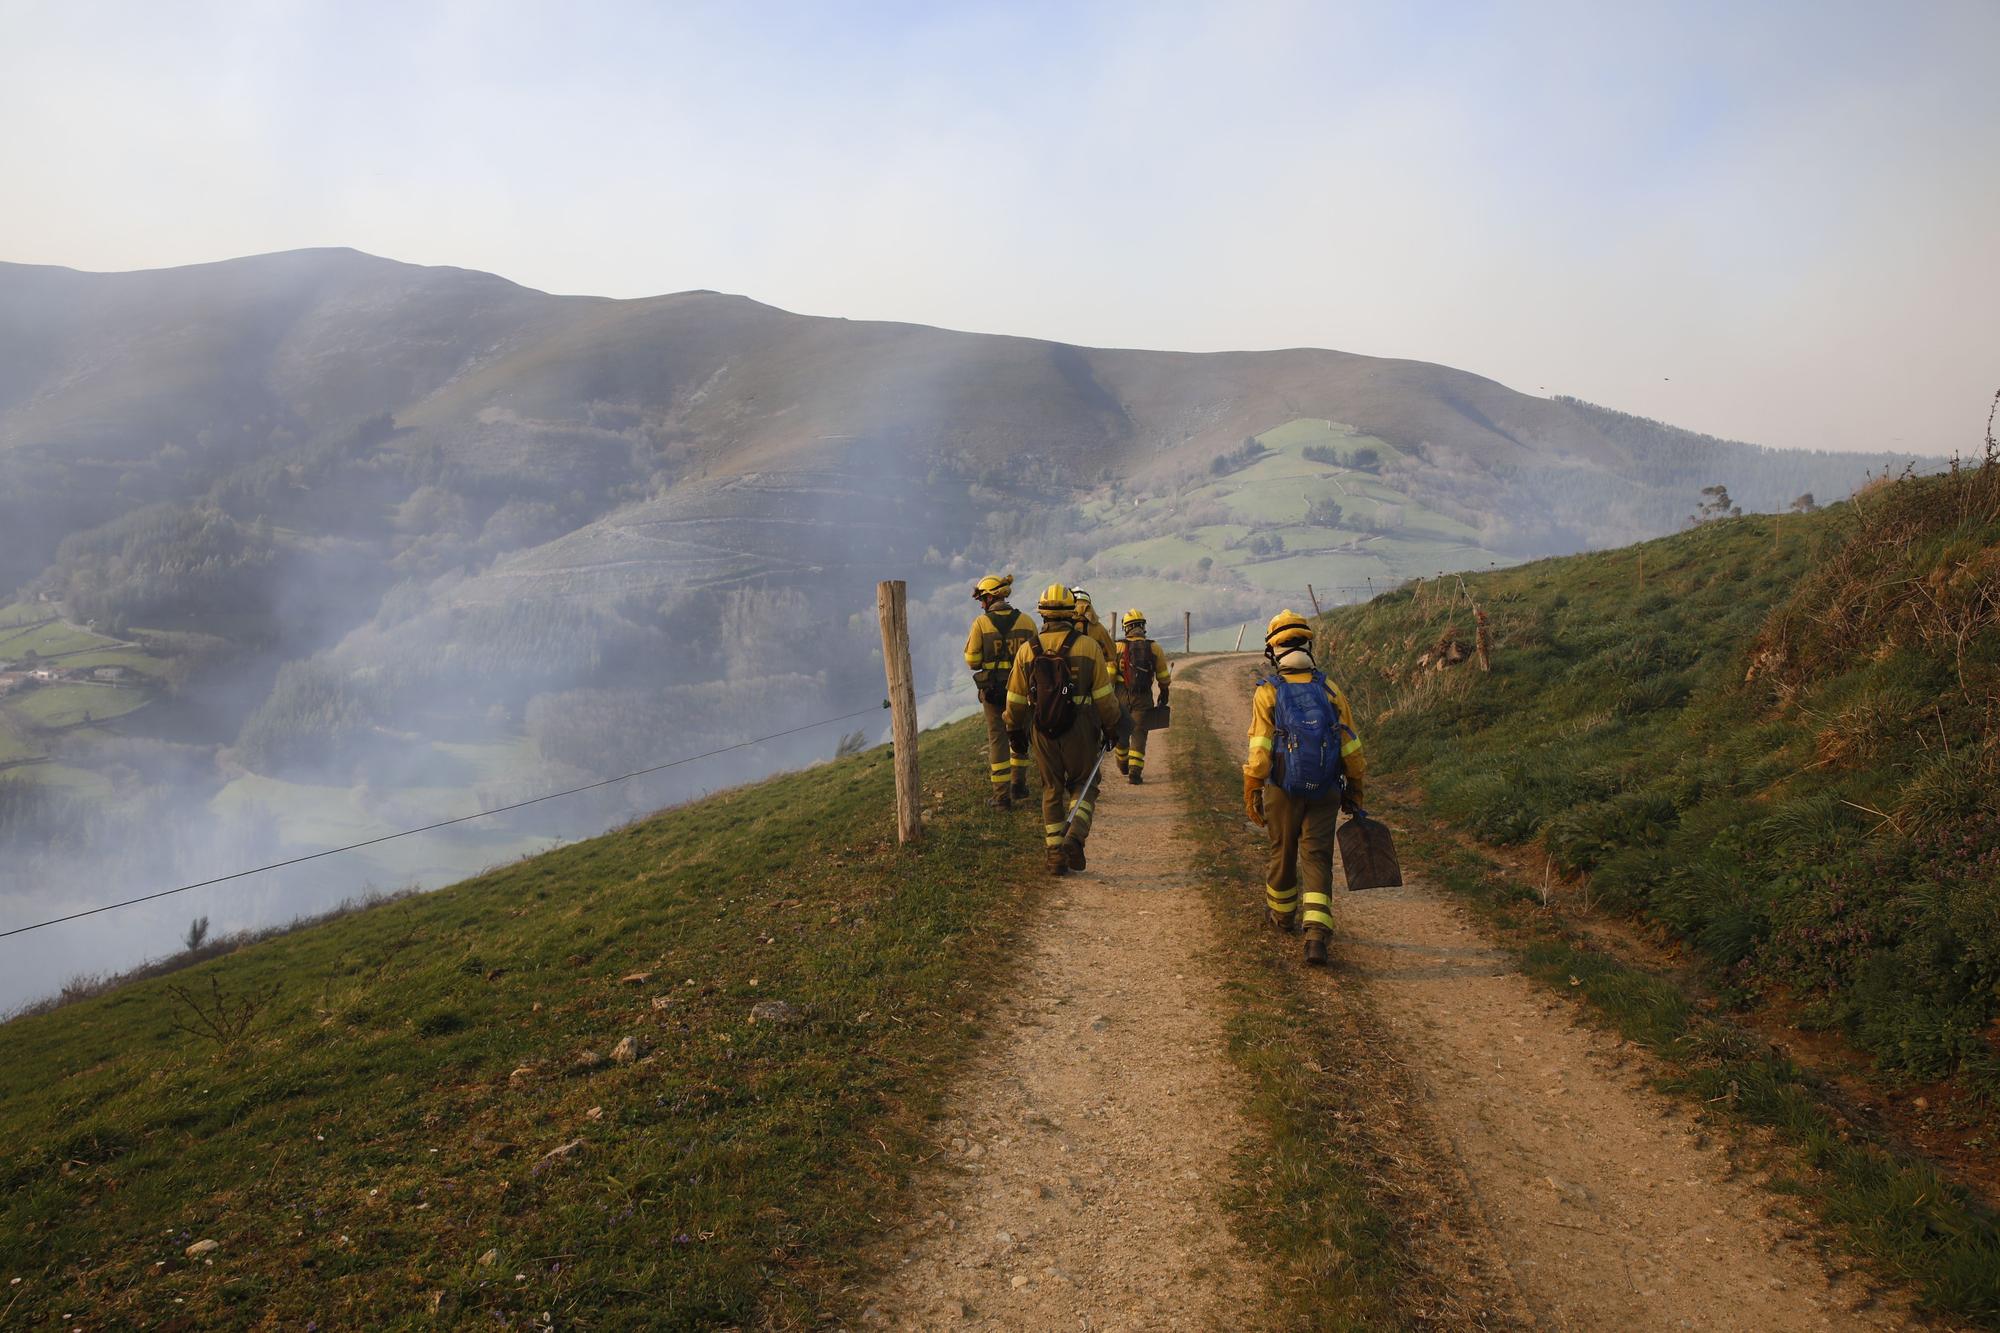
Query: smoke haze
[1769, 223]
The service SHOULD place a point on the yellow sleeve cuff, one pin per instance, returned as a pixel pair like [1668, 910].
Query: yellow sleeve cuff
[1014, 698]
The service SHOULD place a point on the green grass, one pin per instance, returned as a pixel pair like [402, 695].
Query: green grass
[1772, 740]
[137, 660]
[1829, 834]
[1274, 493]
[364, 1145]
[49, 640]
[16, 614]
[13, 745]
[54, 706]
[1306, 1202]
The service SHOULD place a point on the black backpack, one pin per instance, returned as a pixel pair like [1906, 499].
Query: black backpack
[1050, 686]
[1135, 665]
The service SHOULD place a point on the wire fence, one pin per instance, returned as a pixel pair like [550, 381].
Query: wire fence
[459, 819]
[1208, 626]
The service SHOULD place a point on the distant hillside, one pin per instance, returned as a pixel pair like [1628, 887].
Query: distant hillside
[394, 539]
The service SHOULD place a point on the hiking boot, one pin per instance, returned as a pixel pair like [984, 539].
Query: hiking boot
[1135, 777]
[1316, 947]
[1058, 863]
[1002, 800]
[1124, 764]
[1020, 787]
[1073, 853]
[1285, 921]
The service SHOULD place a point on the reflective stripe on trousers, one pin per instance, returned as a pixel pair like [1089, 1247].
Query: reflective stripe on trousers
[1301, 859]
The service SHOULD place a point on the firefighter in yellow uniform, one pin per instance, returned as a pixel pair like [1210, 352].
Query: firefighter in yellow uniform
[1142, 664]
[1061, 684]
[1298, 881]
[998, 633]
[1087, 618]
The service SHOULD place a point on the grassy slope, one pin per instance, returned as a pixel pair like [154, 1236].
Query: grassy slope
[1822, 834]
[56, 706]
[1826, 830]
[1276, 490]
[361, 1150]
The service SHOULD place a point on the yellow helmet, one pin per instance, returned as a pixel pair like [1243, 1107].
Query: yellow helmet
[1134, 617]
[1057, 602]
[1288, 629]
[993, 585]
[1082, 597]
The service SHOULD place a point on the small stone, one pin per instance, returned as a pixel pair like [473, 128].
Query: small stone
[490, 1258]
[1570, 1190]
[663, 1002]
[201, 1247]
[586, 1061]
[1099, 1023]
[1921, 1103]
[626, 1051]
[776, 1012]
[562, 1151]
[1018, 1281]
[1005, 1238]
[635, 978]
[594, 1113]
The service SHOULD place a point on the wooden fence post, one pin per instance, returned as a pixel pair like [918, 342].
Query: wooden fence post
[1315, 600]
[1239, 637]
[894, 614]
[1187, 632]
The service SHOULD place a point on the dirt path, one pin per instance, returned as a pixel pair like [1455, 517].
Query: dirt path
[1607, 1205]
[1089, 1149]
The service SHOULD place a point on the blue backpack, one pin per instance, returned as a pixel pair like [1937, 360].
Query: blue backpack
[1308, 741]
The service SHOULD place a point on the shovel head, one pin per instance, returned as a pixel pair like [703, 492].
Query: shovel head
[1156, 718]
[1368, 854]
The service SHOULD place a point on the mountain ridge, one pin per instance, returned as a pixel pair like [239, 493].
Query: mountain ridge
[350, 501]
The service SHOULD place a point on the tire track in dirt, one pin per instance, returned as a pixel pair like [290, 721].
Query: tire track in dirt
[1088, 1151]
[1608, 1206]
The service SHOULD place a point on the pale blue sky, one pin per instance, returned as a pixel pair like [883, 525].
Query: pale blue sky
[1773, 221]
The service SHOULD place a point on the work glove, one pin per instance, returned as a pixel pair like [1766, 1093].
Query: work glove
[1350, 800]
[1253, 800]
[1163, 696]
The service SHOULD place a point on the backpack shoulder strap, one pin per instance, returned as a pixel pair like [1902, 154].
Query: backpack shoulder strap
[1003, 627]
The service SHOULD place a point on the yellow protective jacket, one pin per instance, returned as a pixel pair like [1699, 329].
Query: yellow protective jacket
[1094, 627]
[1090, 678]
[1150, 653]
[987, 649]
[1264, 734]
